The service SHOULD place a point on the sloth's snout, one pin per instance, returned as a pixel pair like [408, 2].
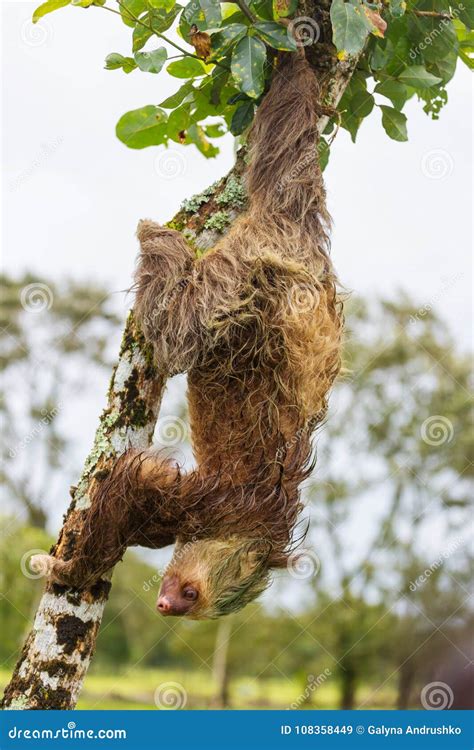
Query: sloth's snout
[163, 605]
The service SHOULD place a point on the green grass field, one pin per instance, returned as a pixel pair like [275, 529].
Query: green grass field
[136, 689]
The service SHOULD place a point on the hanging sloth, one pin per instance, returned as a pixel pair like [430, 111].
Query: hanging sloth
[256, 323]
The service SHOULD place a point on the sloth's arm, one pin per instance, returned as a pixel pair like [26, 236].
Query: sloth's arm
[126, 510]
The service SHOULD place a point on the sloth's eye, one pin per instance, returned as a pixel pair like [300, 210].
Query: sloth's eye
[190, 593]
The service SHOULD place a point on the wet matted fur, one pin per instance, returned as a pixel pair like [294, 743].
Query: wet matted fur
[256, 323]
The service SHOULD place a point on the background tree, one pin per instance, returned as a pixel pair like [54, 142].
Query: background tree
[228, 87]
[67, 332]
[394, 461]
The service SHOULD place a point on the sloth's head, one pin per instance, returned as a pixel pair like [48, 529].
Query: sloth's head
[213, 577]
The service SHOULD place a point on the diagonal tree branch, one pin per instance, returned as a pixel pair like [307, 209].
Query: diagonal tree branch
[58, 650]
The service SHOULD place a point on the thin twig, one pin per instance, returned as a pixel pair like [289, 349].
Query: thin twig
[432, 14]
[246, 10]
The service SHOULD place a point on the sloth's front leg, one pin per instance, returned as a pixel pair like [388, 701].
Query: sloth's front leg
[126, 510]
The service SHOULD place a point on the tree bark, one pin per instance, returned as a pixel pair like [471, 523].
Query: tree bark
[220, 667]
[406, 678]
[348, 688]
[58, 650]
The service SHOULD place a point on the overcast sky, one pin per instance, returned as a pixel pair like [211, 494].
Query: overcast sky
[73, 193]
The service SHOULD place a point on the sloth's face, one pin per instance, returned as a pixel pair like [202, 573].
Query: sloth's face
[212, 577]
[176, 597]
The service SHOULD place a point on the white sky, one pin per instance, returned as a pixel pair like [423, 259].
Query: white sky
[73, 193]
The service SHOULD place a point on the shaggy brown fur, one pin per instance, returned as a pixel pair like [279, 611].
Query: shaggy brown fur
[256, 324]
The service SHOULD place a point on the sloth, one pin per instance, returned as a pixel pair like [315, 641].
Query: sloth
[256, 323]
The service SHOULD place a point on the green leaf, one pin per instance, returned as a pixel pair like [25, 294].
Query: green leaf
[220, 77]
[465, 12]
[142, 127]
[196, 135]
[362, 104]
[140, 37]
[248, 61]
[212, 12]
[284, 8]
[351, 123]
[49, 7]
[203, 99]
[323, 152]
[188, 67]
[175, 99]
[397, 8]
[393, 90]
[381, 53]
[394, 123]
[87, 3]
[444, 68]
[225, 37]
[215, 130]
[115, 61]
[151, 62]
[275, 35]
[131, 9]
[349, 27]
[263, 9]
[418, 77]
[242, 117]
[178, 121]
[466, 46]
[167, 5]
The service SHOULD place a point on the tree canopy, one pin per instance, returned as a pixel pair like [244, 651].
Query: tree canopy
[225, 53]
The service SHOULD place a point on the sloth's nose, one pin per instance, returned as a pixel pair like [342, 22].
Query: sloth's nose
[163, 605]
